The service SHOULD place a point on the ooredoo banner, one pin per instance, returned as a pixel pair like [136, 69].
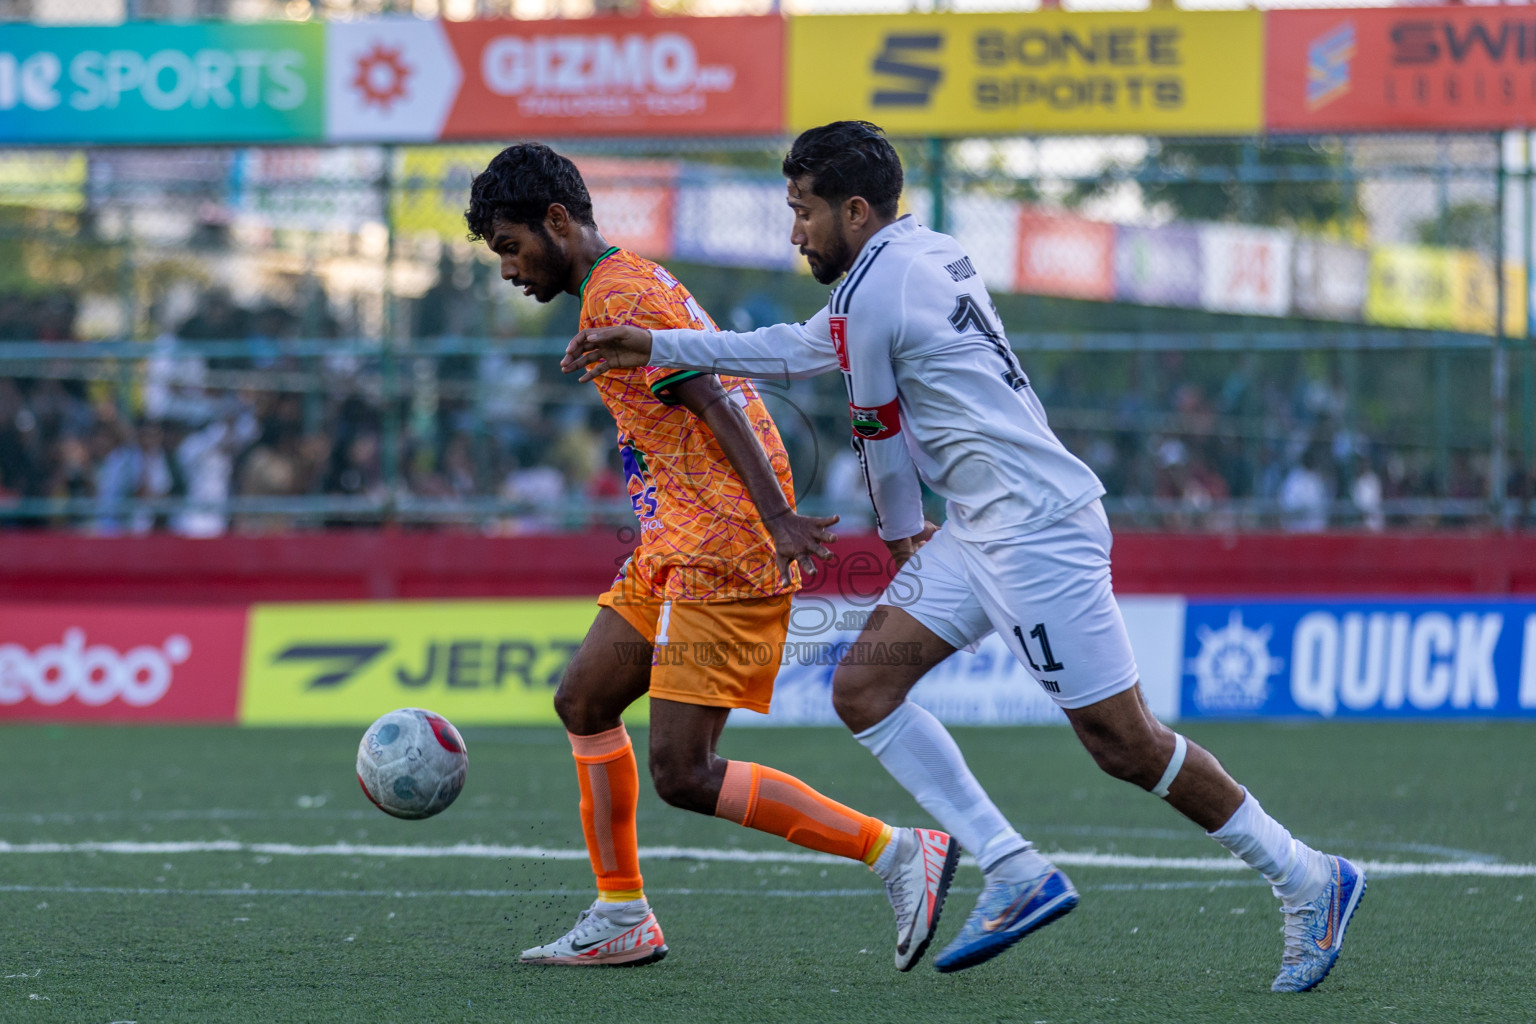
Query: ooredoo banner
[405, 79]
[1400, 68]
[108, 663]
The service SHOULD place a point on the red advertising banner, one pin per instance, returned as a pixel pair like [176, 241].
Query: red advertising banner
[618, 76]
[632, 200]
[125, 663]
[1064, 255]
[1400, 68]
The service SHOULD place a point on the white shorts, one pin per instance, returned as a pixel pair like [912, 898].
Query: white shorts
[1047, 593]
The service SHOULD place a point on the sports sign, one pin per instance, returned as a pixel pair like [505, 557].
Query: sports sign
[1149, 72]
[1381, 659]
[404, 79]
[119, 663]
[1400, 68]
[158, 83]
[470, 661]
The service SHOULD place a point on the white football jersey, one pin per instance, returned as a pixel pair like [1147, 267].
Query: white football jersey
[932, 387]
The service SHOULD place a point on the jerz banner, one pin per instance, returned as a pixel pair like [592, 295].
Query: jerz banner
[1401, 68]
[1146, 72]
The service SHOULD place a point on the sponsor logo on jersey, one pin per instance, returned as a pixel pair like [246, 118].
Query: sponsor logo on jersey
[838, 326]
[877, 423]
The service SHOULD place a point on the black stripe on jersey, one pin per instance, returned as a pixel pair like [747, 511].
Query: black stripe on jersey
[858, 447]
[844, 297]
[662, 388]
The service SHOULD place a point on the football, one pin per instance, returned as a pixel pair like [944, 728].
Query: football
[411, 763]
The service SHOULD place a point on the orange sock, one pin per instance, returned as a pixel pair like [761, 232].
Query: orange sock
[770, 801]
[610, 789]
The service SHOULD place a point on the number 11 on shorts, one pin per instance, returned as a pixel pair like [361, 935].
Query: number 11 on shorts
[1051, 664]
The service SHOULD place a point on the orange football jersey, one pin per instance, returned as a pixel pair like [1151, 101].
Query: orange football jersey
[701, 538]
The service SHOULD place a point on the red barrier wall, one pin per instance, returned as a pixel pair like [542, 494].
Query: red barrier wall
[355, 565]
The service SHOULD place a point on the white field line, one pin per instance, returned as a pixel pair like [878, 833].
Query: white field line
[483, 851]
[408, 894]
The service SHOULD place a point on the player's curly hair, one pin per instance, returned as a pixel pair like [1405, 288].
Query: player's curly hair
[519, 186]
[846, 159]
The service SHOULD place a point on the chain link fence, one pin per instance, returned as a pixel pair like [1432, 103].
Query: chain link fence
[1236, 334]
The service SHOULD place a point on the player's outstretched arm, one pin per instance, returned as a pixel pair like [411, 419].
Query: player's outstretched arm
[597, 350]
[796, 538]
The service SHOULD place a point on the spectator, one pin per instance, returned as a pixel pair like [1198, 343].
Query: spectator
[207, 459]
[1304, 496]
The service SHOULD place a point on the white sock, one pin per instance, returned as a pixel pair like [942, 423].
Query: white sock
[1295, 870]
[889, 857]
[921, 755]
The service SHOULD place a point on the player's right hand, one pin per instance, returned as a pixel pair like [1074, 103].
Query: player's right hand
[796, 538]
[600, 349]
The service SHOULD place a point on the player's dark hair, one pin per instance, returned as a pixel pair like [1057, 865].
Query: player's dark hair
[845, 159]
[519, 186]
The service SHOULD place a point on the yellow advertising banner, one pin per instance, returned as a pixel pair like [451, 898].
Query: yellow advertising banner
[1442, 289]
[1414, 286]
[44, 179]
[431, 187]
[474, 662]
[1147, 72]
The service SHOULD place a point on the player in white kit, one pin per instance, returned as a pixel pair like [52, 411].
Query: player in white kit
[935, 393]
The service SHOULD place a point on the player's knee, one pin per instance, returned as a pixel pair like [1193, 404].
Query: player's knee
[684, 782]
[1132, 757]
[579, 713]
[853, 698]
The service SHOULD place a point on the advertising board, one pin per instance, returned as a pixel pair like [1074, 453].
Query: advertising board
[119, 663]
[1360, 659]
[1164, 72]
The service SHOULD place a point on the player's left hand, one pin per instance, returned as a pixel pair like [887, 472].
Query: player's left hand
[796, 538]
[600, 349]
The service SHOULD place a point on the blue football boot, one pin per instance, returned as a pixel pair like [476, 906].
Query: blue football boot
[1314, 932]
[1004, 914]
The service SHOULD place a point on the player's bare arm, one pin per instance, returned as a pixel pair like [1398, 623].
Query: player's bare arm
[600, 349]
[796, 538]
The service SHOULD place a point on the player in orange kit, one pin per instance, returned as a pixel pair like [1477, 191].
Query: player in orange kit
[720, 550]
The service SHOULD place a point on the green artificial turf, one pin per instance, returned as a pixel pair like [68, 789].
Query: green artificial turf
[301, 935]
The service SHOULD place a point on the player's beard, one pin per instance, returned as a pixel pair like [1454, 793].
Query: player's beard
[549, 269]
[831, 263]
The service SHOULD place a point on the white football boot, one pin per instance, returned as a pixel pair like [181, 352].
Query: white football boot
[916, 884]
[606, 935]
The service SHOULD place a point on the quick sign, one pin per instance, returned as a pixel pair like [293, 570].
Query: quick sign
[1379, 660]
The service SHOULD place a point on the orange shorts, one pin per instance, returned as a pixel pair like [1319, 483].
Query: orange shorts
[722, 654]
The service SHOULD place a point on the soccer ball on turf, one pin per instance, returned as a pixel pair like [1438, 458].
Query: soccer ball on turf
[411, 763]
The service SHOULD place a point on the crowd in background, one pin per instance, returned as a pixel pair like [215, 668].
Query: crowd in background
[509, 444]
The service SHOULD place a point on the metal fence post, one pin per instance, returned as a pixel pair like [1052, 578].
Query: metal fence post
[1499, 424]
[938, 170]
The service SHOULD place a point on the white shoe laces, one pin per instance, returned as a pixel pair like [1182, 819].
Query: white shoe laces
[899, 892]
[1296, 928]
